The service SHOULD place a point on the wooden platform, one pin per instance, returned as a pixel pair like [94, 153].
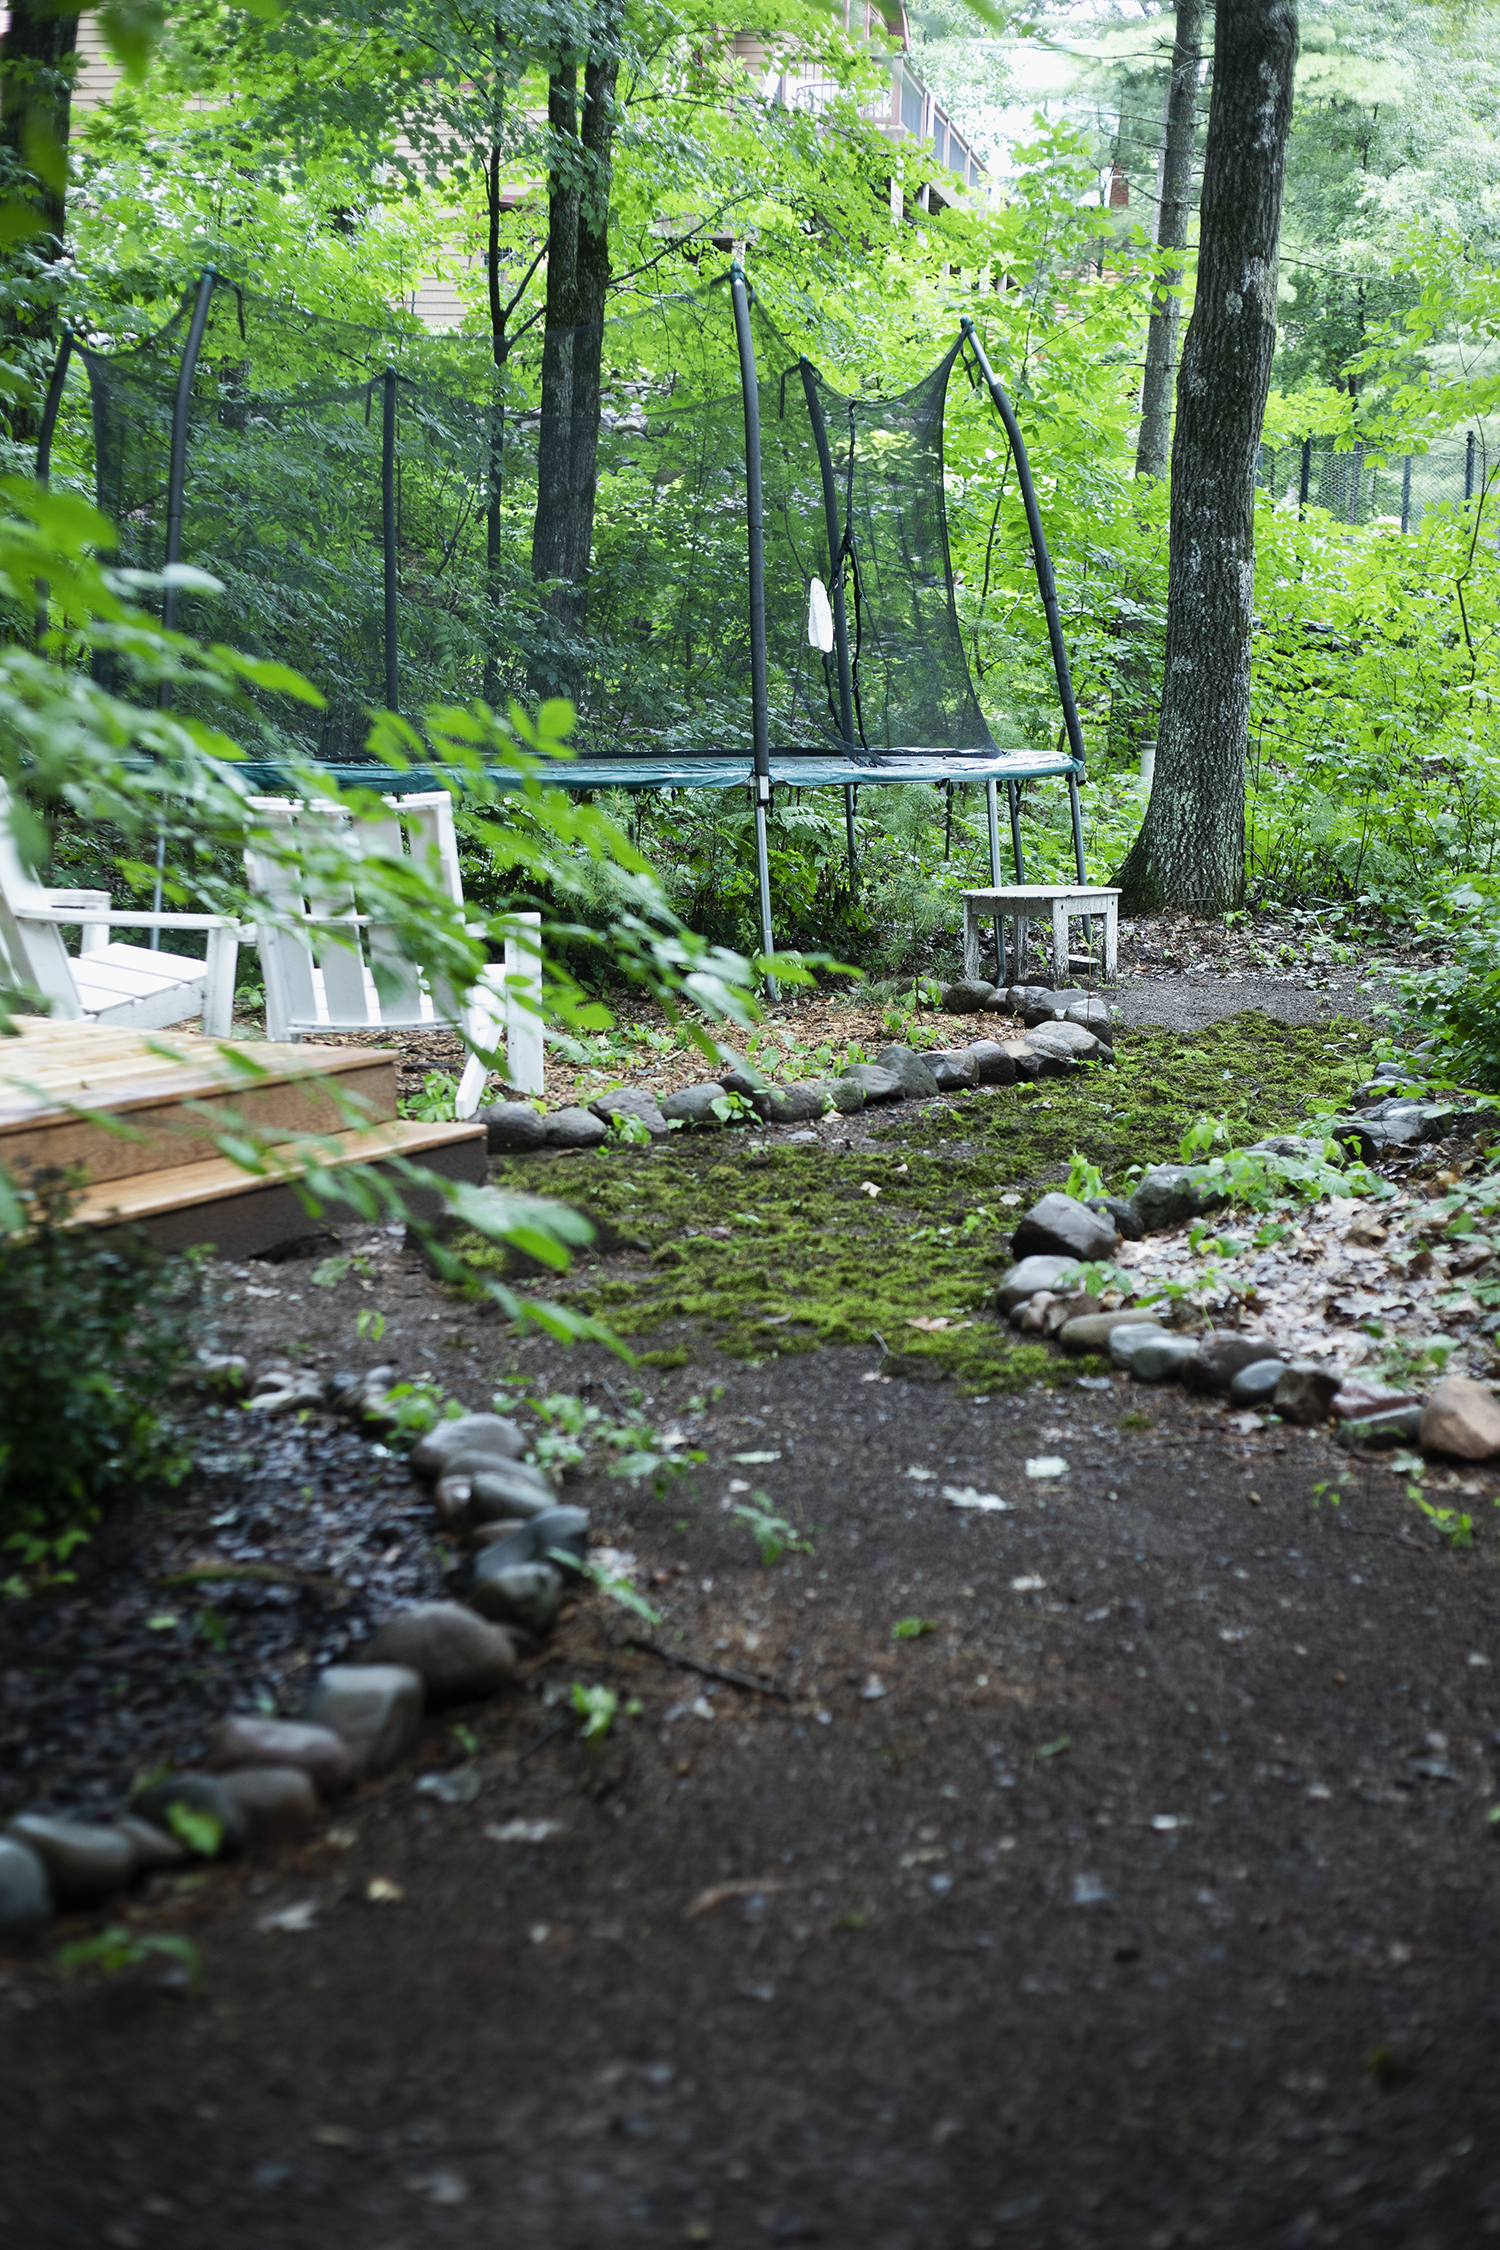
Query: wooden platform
[137, 1114]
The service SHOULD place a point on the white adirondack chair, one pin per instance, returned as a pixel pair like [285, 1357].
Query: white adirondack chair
[108, 981]
[356, 978]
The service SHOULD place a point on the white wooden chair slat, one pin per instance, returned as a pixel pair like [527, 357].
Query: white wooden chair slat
[109, 981]
[317, 983]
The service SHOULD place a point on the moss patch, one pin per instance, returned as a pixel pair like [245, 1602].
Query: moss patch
[776, 1249]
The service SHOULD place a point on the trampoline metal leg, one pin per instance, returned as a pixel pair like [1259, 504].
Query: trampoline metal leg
[1077, 810]
[1015, 831]
[763, 871]
[992, 806]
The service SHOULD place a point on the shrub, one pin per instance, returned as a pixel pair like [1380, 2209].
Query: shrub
[1455, 1009]
[93, 1327]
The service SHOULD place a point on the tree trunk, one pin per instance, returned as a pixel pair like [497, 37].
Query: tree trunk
[1155, 444]
[36, 79]
[577, 283]
[1191, 848]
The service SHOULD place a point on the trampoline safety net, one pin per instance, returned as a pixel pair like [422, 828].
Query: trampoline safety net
[367, 501]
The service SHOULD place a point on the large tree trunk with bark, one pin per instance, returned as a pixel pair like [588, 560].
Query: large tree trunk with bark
[36, 77]
[1191, 848]
[577, 284]
[1154, 447]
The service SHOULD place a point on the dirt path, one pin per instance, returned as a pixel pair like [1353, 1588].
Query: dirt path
[1146, 1897]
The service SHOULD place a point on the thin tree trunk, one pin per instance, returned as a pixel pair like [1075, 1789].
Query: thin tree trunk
[1191, 848]
[1154, 448]
[582, 172]
[36, 79]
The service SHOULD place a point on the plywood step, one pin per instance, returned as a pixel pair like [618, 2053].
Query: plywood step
[215, 1201]
[123, 1105]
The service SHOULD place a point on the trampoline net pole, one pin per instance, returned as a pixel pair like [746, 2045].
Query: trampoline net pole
[756, 558]
[1046, 584]
[176, 488]
[44, 454]
[388, 533]
[849, 831]
[1014, 794]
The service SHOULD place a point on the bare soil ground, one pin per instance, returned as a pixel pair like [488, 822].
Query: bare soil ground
[1145, 1896]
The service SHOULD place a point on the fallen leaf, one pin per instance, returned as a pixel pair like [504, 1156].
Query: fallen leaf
[523, 1831]
[717, 1893]
[381, 1892]
[292, 1920]
[965, 1496]
[1047, 1465]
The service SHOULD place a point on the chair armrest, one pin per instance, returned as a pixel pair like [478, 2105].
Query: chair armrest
[130, 919]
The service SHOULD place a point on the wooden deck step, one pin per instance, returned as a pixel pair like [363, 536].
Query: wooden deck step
[125, 1104]
[217, 1202]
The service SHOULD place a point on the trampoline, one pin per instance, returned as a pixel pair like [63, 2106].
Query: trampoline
[769, 598]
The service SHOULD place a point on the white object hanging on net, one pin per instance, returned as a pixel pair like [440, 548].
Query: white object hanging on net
[819, 616]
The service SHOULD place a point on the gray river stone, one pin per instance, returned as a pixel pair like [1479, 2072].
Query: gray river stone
[1127, 1225]
[458, 1654]
[1306, 1392]
[694, 1105]
[879, 1085]
[84, 1862]
[993, 1066]
[492, 1434]
[788, 1105]
[954, 1068]
[846, 1095]
[1223, 1354]
[1090, 1332]
[376, 1708]
[151, 1849]
[559, 1530]
[199, 1793]
[1170, 1194]
[247, 1739]
[906, 1065]
[629, 1101]
[1393, 1425]
[528, 1594]
[967, 997]
[274, 1802]
[512, 1128]
[25, 1893]
[1031, 1274]
[1255, 1385]
[1162, 1358]
[1062, 1225]
[500, 1489]
[1128, 1338]
[575, 1128]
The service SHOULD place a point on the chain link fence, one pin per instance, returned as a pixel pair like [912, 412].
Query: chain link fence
[1358, 487]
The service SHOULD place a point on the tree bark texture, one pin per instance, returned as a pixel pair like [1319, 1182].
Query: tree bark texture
[577, 286]
[1191, 849]
[1153, 449]
[36, 81]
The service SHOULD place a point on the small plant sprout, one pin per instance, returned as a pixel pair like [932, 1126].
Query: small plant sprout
[1084, 1179]
[912, 1628]
[112, 1950]
[633, 1131]
[774, 1536]
[617, 1589]
[198, 1830]
[437, 1102]
[466, 1738]
[596, 1706]
[370, 1325]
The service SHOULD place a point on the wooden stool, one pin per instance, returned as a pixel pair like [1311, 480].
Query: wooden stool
[1022, 903]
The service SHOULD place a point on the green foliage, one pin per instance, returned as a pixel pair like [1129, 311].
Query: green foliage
[912, 1628]
[93, 1329]
[774, 1536]
[435, 1103]
[109, 1951]
[201, 1833]
[1454, 1011]
[597, 1707]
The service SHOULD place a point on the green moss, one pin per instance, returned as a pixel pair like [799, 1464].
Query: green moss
[803, 1255]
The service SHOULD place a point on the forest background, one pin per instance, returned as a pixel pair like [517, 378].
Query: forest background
[331, 165]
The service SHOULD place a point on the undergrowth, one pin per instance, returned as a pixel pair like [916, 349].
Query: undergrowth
[770, 1247]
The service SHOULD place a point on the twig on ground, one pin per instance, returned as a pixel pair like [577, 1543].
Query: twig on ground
[743, 1680]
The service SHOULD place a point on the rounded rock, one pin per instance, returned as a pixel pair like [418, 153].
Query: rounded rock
[151, 1848]
[628, 1101]
[459, 1655]
[1255, 1385]
[1031, 1274]
[511, 1128]
[246, 1739]
[84, 1863]
[694, 1105]
[788, 1105]
[575, 1128]
[1061, 1226]
[375, 1708]
[274, 1802]
[1461, 1417]
[877, 1085]
[25, 1892]
[992, 1065]
[490, 1434]
[1127, 1338]
[528, 1594]
[967, 997]
[908, 1068]
[202, 1793]
[1306, 1392]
